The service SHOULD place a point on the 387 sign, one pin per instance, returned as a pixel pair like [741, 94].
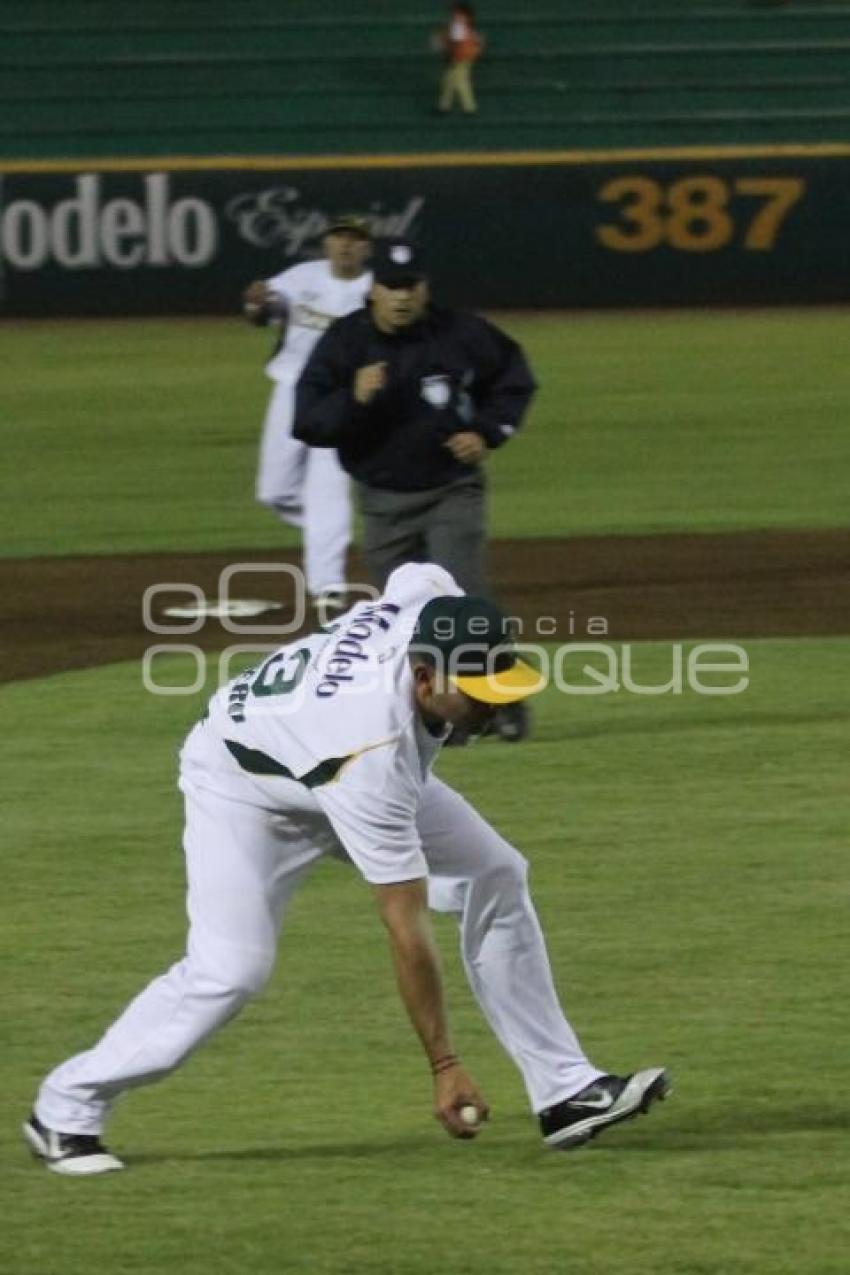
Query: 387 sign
[700, 213]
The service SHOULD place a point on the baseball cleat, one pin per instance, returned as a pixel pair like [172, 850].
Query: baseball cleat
[513, 723]
[606, 1101]
[74, 1154]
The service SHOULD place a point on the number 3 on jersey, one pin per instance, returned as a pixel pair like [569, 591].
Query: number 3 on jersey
[282, 672]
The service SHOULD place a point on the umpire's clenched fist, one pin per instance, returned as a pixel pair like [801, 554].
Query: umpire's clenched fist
[368, 381]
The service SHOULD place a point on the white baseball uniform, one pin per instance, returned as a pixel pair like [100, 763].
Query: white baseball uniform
[322, 751]
[306, 486]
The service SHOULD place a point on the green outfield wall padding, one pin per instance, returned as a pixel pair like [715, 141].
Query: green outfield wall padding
[92, 78]
[632, 230]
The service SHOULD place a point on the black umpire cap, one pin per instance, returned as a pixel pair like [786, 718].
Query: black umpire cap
[396, 263]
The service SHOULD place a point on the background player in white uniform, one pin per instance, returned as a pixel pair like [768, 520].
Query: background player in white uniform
[303, 486]
[327, 749]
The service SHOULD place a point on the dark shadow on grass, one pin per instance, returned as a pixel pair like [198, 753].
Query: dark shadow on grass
[424, 1142]
[675, 726]
[726, 1129]
[394, 1148]
[667, 1134]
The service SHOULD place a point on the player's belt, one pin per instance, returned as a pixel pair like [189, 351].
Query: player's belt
[256, 762]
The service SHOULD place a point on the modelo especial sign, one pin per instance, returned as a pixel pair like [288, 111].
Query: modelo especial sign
[549, 234]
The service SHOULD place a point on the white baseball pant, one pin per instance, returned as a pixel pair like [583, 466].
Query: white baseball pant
[244, 861]
[308, 488]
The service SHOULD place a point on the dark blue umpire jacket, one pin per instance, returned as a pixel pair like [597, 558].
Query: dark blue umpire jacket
[448, 373]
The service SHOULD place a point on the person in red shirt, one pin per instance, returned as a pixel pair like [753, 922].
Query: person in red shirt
[461, 43]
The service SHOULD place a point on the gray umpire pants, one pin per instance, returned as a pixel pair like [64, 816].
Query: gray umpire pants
[445, 525]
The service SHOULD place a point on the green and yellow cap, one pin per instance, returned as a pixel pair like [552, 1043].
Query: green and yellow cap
[470, 640]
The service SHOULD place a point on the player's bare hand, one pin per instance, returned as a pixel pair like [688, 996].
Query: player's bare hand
[260, 304]
[454, 1093]
[467, 447]
[369, 381]
[256, 293]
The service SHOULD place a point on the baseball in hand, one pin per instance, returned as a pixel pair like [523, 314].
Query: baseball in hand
[469, 1115]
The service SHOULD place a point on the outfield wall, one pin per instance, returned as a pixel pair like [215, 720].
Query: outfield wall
[736, 225]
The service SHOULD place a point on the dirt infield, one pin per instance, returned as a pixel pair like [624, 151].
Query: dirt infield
[66, 613]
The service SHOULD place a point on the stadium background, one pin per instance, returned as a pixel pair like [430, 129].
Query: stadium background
[684, 474]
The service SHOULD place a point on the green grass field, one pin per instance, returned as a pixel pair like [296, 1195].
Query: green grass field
[689, 862]
[688, 853]
[138, 435]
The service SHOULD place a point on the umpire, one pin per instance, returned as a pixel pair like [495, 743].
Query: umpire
[413, 396]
